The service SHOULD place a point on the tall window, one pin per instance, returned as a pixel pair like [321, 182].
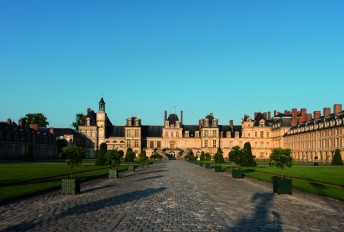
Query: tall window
[151, 144]
[262, 134]
[93, 134]
[166, 134]
[214, 133]
[214, 143]
[128, 133]
[205, 143]
[159, 144]
[255, 134]
[136, 143]
[128, 143]
[136, 133]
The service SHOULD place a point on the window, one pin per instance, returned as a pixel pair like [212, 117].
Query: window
[87, 122]
[214, 133]
[267, 134]
[255, 134]
[186, 134]
[151, 144]
[166, 134]
[128, 143]
[128, 133]
[177, 134]
[136, 143]
[214, 143]
[87, 133]
[93, 134]
[159, 144]
[237, 134]
[136, 133]
[197, 134]
[205, 143]
[206, 133]
[262, 134]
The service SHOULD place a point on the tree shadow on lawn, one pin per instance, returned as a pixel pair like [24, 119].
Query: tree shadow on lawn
[88, 207]
[261, 219]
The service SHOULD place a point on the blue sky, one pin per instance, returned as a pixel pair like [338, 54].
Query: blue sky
[227, 57]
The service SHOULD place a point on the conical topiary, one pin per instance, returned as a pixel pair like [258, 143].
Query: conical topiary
[337, 159]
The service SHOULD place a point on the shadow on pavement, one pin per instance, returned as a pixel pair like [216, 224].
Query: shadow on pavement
[157, 171]
[78, 210]
[262, 219]
[149, 178]
[97, 188]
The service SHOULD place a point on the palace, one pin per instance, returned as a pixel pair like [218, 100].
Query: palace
[308, 138]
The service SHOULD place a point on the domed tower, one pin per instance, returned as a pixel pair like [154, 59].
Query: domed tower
[172, 131]
[101, 122]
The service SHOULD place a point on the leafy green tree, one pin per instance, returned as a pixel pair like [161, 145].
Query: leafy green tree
[130, 155]
[202, 157]
[337, 159]
[237, 156]
[249, 162]
[207, 156]
[61, 143]
[190, 156]
[113, 158]
[281, 158]
[78, 118]
[142, 157]
[74, 156]
[36, 118]
[218, 157]
[101, 155]
[156, 156]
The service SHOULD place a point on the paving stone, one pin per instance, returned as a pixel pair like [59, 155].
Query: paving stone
[173, 196]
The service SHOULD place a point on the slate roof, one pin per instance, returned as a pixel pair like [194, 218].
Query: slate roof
[259, 117]
[172, 118]
[151, 131]
[92, 116]
[191, 128]
[115, 131]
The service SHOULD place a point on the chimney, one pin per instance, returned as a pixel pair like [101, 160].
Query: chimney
[264, 115]
[275, 113]
[200, 123]
[327, 111]
[34, 127]
[51, 130]
[304, 114]
[317, 114]
[165, 116]
[181, 117]
[294, 117]
[9, 121]
[255, 114]
[337, 108]
[231, 125]
[309, 117]
[269, 115]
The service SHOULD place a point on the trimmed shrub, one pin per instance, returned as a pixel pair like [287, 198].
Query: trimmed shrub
[249, 161]
[218, 157]
[337, 159]
[101, 155]
[130, 155]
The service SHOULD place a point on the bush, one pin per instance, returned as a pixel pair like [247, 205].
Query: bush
[218, 157]
[74, 156]
[202, 157]
[207, 156]
[190, 156]
[249, 161]
[337, 159]
[281, 158]
[113, 158]
[101, 155]
[130, 155]
[156, 156]
[61, 143]
[142, 157]
[237, 156]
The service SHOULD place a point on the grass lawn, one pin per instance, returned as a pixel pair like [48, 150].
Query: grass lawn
[21, 172]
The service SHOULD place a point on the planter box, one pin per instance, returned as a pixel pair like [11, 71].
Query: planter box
[316, 164]
[218, 168]
[70, 186]
[237, 174]
[113, 174]
[207, 166]
[281, 186]
[131, 167]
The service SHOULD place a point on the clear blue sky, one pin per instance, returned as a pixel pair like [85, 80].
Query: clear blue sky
[227, 57]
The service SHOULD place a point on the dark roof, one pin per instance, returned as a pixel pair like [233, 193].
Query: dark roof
[92, 116]
[259, 117]
[64, 131]
[281, 120]
[115, 131]
[102, 101]
[191, 128]
[172, 118]
[151, 131]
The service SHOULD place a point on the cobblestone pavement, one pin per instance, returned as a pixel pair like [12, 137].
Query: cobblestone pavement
[174, 196]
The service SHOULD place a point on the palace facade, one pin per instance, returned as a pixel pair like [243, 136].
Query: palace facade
[263, 131]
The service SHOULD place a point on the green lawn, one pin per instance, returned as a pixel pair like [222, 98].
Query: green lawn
[10, 173]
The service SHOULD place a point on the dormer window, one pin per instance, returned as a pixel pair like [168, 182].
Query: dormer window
[87, 122]
[237, 134]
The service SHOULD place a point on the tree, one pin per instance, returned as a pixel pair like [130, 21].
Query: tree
[61, 143]
[281, 158]
[337, 159]
[207, 156]
[218, 157]
[73, 155]
[78, 118]
[156, 156]
[248, 153]
[142, 157]
[130, 155]
[237, 156]
[113, 158]
[36, 118]
[202, 157]
[190, 156]
[101, 155]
